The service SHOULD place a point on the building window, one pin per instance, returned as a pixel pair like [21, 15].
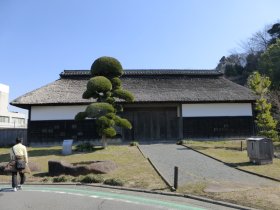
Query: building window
[19, 121]
[4, 119]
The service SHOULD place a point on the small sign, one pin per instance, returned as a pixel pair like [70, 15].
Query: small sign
[67, 147]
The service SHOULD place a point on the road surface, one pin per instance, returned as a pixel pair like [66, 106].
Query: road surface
[63, 197]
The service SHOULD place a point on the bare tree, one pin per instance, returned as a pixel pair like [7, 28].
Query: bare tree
[258, 42]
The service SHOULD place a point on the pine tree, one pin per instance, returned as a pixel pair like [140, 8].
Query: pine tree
[264, 120]
[105, 87]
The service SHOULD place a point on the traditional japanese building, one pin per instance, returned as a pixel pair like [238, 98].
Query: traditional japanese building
[169, 105]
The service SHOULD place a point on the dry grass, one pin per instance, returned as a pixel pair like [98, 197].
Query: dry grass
[260, 198]
[133, 168]
[229, 152]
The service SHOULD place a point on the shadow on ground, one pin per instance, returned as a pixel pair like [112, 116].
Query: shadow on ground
[41, 174]
[36, 153]
[240, 164]
[217, 147]
[4, 157]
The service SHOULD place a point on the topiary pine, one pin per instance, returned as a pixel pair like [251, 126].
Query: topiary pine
[106, 66]
[105, 86]
[99, 84]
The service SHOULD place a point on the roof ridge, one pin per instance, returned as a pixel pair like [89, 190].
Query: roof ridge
[149, 69]
[147, 72]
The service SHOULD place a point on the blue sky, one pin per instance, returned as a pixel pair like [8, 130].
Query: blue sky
[41, 38]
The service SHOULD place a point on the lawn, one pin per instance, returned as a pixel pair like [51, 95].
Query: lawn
[132, 167]
[257, 198]
[230, 152]
[136, 171]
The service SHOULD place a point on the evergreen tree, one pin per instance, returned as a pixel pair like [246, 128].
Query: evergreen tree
[270, 64]
[274, 32]
[105, 87]
[264, 120]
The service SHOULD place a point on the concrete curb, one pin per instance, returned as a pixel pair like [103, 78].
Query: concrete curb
[158, 171]
[162, 177]
[232, 165]
[141, 152]
[203, 199]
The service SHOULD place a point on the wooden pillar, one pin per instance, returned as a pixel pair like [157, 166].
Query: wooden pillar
[180, 122]
[28, 137]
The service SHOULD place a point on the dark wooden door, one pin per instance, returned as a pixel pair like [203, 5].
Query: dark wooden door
[152, 124]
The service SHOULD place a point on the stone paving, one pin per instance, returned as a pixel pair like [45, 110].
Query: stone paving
[195, 167]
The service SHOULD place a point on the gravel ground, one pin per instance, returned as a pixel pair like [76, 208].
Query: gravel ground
[195, 167]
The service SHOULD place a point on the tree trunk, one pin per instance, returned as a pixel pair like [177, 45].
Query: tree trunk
[104, 141]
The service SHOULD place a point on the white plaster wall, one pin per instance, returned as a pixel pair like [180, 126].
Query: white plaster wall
[55, 112]
[4, 112]
[4, 88]
[4, 98]
[217, 109]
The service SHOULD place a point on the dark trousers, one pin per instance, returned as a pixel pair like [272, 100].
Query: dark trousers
[15, 180]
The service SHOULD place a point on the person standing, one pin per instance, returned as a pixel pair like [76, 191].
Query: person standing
[19, 153]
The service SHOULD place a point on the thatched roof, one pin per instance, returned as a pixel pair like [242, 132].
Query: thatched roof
[188, 86]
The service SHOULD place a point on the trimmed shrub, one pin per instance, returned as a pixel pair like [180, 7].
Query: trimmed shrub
[181, 142]
[119, 107]
[106, 66]
[87, 95]
[98, 84]
[60, 179]
[114, 182]
[123, 94]
[116, 82]
[105, 121]
[92, 178]
[81, 116]
[110, 100]
[124, 123]
[109, 132]
[105, 87]
[84, 147]
[98, 109]
[134, 143]
[111, 116]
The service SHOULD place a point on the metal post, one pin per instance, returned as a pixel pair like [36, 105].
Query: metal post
[175, 177]
[241, 148]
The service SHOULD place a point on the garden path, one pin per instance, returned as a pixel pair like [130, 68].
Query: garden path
[195, 167]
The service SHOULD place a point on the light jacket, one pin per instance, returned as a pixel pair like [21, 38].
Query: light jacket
[19, 150]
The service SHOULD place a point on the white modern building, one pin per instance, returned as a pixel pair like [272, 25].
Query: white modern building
[9, 119]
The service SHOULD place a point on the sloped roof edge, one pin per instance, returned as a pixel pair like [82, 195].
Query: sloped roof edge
[149, 72]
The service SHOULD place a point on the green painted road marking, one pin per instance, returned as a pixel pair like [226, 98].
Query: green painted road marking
[108, 195]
